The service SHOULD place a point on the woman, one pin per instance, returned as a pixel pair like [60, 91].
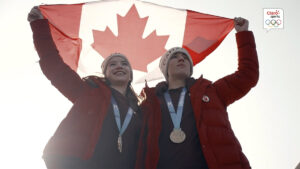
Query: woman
[103, 126]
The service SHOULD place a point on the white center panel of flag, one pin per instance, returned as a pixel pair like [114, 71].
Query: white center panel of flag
[103, 15]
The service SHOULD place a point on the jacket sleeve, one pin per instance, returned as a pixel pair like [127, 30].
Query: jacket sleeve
[238, 84]
[142, 147]
[67, 81]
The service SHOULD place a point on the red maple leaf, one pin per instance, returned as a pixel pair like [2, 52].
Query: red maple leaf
[140, 52]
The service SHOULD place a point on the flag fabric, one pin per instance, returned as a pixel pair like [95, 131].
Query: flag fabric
[86, 33]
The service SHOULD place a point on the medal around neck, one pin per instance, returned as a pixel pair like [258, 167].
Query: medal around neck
[177, 136]
[120, 144]
[123, 127]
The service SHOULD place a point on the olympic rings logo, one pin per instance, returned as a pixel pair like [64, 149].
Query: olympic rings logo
[273, 22]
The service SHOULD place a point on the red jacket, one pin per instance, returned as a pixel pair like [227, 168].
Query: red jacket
[90, 105]
[209, 100]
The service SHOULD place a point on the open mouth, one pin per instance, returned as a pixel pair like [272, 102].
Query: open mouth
[181, 65]
[119, 73]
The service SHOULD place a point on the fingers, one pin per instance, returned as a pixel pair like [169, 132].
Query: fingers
[34, 14]
[241, 24]
[239, 21]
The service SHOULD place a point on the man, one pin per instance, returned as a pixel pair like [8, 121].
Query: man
[186, 124]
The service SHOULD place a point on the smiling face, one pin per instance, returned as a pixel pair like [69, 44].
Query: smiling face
[179, 66]
[118, 71]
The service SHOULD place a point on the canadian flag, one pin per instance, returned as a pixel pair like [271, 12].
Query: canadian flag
[87, 33]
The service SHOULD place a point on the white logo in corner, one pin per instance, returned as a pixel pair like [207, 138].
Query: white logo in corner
[273, 18]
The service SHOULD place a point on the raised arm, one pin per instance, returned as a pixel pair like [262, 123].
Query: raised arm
[238, 84]
[67, 81]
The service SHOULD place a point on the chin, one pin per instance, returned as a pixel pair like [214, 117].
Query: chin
[121, 81]
[182, 75]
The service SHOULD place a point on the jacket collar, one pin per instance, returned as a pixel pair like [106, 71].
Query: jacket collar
[163, 86]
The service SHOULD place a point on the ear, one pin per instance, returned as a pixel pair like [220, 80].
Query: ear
[191, 70]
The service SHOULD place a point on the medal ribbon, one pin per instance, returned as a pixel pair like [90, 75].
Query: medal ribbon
[117, 116]
[176, 116]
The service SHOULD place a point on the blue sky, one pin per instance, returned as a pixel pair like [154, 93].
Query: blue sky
[266, 121]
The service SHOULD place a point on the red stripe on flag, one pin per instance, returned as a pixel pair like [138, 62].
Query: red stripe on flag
[204, 33]
[64, 25]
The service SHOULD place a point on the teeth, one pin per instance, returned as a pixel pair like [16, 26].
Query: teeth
[120, 73]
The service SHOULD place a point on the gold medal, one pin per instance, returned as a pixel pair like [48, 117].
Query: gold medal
[120, 144]
[177, 136]
[118, 121]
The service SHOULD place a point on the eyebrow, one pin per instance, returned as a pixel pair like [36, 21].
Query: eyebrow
[114, 61]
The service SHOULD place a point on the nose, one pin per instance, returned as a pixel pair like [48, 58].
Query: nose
[117, 66]
[180, 58]
[120, 66]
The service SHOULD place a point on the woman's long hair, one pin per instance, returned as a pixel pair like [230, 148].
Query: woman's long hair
[133, 98]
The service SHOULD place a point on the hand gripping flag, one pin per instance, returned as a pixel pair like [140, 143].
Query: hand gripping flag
[86, 33]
